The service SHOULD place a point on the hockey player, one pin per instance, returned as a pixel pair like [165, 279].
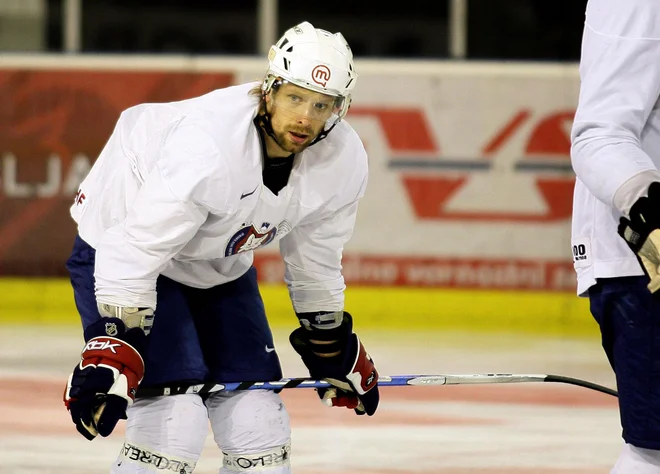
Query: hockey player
[616, 216]
[162, 272]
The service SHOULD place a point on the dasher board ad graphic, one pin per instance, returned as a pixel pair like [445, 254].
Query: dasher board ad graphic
[470, 180]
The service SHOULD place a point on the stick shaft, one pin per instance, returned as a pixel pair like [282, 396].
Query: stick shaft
[383, 381]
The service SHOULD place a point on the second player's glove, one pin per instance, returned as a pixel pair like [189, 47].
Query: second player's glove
[336, 355]
[103, 385]
[642, 233]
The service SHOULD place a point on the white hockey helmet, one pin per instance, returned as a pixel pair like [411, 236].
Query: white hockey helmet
[316, 60]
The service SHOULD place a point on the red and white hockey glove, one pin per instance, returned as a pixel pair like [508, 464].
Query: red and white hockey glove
[103, 385]
[335, 354]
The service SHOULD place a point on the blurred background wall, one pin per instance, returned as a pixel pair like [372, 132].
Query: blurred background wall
[465, 108]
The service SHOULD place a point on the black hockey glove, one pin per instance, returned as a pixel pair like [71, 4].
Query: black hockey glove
[335, 354]
[642, 233]
[105, 381]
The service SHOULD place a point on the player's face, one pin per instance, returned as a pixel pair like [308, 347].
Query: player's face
[298, 115]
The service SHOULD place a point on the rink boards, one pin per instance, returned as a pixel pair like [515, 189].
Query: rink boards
[466, 219]
[50, 301]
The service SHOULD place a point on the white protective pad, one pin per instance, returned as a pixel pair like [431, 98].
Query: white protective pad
[162, 430]
[254, 425]
[634, 460]
[276, 458]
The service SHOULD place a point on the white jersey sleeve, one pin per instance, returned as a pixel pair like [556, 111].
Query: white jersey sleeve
[620, 86]
[312, 254]
[169, 208]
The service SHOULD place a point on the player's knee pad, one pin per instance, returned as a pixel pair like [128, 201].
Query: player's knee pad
[164, 434]
[252, 429]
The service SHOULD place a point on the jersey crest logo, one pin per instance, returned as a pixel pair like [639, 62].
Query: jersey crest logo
[249, 238]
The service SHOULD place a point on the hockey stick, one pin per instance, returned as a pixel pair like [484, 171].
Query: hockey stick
[383, 381]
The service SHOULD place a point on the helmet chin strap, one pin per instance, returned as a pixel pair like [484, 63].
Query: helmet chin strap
[263, 120]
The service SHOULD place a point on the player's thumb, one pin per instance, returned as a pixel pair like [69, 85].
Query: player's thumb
[108, 414]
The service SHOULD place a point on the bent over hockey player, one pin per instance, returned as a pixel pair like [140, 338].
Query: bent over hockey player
[162, 271]
[616, 215]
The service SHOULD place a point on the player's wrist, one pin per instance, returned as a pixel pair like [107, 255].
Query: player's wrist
[322, 320]
[325, 341]
[133, 317]
[115, 328]
[633, 189]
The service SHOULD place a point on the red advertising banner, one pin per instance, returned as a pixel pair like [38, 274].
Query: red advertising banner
[433, 272]
[53, 124]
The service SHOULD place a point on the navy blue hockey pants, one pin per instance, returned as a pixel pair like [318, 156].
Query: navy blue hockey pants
[629, 319]
[218, 334]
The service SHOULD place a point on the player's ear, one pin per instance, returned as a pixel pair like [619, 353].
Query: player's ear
[268, 97]
[267, 102]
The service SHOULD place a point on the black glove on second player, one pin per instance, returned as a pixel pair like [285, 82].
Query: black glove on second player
[642, 233]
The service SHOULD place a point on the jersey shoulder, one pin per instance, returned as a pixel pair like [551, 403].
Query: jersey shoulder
[219, 129]
[192, 165]
[220, 113]
[343, 148]
[339, 165]
[634, 19]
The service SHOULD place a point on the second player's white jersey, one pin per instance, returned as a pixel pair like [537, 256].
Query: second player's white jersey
[616, 133]
[178, 191]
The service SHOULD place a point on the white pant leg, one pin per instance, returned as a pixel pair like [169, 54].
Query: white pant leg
[634, 460]
[254, 424]
[164, 434]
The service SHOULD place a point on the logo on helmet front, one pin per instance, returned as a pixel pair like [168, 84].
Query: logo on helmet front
[321, 74]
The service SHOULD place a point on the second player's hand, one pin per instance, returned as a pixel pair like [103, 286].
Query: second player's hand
[642, 233]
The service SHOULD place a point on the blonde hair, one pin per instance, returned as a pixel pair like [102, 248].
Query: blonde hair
[257, 93]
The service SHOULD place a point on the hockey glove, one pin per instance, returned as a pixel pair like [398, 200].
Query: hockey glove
[103, 385]
[334, 353]
[642, 233]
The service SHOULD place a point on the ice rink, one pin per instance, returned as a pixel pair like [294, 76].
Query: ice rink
[536, 428]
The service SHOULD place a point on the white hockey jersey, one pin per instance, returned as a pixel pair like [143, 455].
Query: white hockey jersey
[178, 191]
[616, 133]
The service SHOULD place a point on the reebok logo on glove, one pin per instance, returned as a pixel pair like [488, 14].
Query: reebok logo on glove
[101, 345]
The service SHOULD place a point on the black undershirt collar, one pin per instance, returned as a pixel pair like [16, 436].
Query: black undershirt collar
[276, 171]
